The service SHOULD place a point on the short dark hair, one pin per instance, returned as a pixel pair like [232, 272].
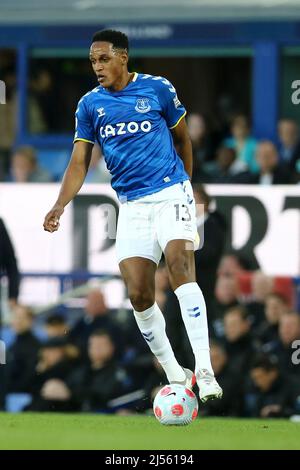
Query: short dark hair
[118, 39]
[55, 319]
[242, 311]
[55, 342]
[101, 332]
[265, 362]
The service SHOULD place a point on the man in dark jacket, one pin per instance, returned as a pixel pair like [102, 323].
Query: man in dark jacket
[101, 379]
[87, 387]
[48, 389]
[269, 394]
[212, 228]
[231, 383]
[238, 342]
[23, 354]
[270, 170]
[8, 267]
[289, 143]
[97, 316]
[8, 263]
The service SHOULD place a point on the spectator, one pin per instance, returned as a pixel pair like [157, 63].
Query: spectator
[96, 316]
[227, 294]
[242, 142]
[269, 171]
[22, 355]
[232, 265]
[200, 138]
[269, 394]
[201, 145]
[56, 326]
[25, 168]
[262, 286]
[275, 307]
[225, 167]
[8, 265]
[48, 390]
[238, 341]
[289, 331]
[289, 143]
[231, 403]
[96, 383]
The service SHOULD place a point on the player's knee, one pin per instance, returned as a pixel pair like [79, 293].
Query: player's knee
[141, 298]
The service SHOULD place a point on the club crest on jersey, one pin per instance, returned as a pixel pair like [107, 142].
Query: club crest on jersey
[142, 105]
[101, 112]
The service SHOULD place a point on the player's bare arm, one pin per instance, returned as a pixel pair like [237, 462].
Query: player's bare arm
[183, 142]
[71, 184]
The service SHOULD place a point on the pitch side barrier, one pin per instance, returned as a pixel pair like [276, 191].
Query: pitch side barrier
[71, 285]
[69, 288]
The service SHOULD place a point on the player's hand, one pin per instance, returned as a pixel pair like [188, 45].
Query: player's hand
[51, 222]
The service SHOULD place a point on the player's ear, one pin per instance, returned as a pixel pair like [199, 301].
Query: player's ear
[124, 57]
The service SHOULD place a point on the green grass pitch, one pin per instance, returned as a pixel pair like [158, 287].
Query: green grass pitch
[62, 431]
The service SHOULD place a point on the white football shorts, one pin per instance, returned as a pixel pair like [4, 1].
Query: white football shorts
[147, 224]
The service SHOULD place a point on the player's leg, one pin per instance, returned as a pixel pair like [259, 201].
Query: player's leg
[180, 261]
[179, 255]
[139, 276]
[177, 232]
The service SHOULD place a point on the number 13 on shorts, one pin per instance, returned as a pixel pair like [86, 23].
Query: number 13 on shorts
[182, 213]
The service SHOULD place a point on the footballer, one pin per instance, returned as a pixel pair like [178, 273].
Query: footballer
[136, 118]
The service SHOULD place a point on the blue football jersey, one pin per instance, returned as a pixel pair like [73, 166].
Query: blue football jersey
[132, 126]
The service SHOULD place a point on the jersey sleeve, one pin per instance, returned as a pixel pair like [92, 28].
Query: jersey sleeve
[84, 129]
[172, 109]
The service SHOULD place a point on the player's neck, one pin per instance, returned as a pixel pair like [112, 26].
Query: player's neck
[126, 78]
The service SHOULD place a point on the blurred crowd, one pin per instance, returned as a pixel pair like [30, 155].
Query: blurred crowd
[239, 158]
[96, 360]
[224, 148]
[230, 156]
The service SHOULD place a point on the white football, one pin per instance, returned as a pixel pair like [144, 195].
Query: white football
[175, 404]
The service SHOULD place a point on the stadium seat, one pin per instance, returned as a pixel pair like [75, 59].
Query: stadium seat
[283, 285]
[15, 402]
[8, 336]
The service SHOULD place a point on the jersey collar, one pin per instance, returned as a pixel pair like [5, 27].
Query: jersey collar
[115, 93]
